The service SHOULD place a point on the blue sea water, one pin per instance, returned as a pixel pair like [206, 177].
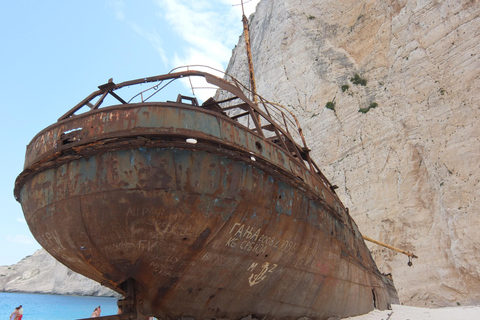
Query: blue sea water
[54, 307]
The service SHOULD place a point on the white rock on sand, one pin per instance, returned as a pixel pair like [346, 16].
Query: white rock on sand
[400, 312]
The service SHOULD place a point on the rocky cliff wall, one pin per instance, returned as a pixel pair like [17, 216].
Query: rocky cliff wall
[404, 146]
[41, 273]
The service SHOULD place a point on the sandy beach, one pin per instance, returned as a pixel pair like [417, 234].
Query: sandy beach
[400, 312]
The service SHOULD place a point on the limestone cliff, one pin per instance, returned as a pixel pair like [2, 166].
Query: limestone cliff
[41, 273]
[402, 140]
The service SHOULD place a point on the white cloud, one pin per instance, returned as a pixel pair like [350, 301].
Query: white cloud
[248, 6]
[21, 220]
[212, 27]
[210, 30]
[197, 59]
[20, 239]
[207, 31]
[118, 7]
[154, 39]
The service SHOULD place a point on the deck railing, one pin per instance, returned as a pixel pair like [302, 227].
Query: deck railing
[271, 121]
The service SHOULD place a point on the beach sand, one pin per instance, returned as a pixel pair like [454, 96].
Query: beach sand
[400, 312]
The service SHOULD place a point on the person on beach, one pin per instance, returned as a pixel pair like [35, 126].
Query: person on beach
[17, 314]
[14, 314]
[96, 312]
[20, 312]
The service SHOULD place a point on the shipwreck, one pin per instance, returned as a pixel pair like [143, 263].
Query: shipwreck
[212, 210]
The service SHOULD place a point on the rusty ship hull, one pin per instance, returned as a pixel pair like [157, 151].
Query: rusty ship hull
[234, 224]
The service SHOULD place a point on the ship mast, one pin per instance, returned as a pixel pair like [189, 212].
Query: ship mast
[253, 87]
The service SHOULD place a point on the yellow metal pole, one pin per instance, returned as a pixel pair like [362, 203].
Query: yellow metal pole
[389, 247]
[249, 56]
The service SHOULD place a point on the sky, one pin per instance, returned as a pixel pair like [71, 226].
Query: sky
[55, 53]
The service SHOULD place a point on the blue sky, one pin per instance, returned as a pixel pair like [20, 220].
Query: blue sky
[55, 53]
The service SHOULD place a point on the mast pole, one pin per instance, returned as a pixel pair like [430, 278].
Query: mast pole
[253, 87]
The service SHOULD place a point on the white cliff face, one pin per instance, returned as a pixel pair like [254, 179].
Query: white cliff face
[408, 169]
[41, 273]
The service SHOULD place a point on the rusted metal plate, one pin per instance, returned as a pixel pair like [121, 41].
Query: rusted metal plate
[230, 226]
[190, 225]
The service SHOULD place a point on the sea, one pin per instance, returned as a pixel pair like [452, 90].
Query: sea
[54, 307]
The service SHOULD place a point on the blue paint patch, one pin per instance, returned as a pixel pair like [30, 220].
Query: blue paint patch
[210, 206]
[91, 169]
[208, 124]
[49, 211]
[314, 209]
[47, 189]
[284, 200]
[132, 159]
[146, 154]
[149, 118]
[188, 119]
